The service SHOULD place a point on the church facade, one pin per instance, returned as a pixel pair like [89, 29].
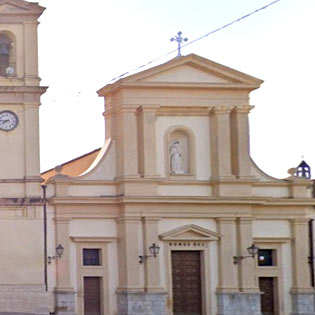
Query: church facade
[170, 217]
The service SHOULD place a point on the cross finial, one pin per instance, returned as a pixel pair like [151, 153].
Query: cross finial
[179, 39]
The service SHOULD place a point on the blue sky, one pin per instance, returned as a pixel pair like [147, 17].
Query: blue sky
[83, 45]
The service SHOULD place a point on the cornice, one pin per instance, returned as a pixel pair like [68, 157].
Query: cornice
[182, 200]
[23, 89]
[176, 182]
[77, 181]
[284, 214]
[19, 202]
[272, 239]
[185, 85]
[67, 200]
[33, 179]
[277, 183]
[94, 239]
[217, 110]
[243, 109]
[183, 111]
[163, 181]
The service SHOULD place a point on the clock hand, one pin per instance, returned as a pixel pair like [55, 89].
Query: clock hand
[4, 120]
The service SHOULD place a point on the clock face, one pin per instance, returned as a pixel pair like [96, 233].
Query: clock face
[8, 120]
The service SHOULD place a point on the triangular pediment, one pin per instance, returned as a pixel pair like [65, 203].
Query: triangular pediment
[191, 70]
[187, 73]
[19, 7]
[190, 232]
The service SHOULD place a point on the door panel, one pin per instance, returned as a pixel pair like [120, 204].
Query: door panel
[186, 280]
[266, 286]
[92, 295]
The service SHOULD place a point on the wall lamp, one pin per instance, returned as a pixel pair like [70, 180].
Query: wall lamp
[154, 250]
[252, 251]
[59, 252]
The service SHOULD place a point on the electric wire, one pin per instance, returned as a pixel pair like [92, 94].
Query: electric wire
[174, 50]
[197, 39]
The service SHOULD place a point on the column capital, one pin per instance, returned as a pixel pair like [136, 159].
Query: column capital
[62, 220]
[129, 219]
[128, 109]
[300, 221]
[245, 220]
[148, 108]
[226, 220]
[151, 219]
[242, 109]
[219, 110]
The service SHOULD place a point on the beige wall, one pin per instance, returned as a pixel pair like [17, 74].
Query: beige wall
[22, 255]
[271, 228]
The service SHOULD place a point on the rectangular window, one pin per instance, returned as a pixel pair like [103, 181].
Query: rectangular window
[266, 257]
[91, 257]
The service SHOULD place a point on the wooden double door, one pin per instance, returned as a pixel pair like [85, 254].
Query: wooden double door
[186, 280]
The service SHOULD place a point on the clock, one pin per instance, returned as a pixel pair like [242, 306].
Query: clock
[8, 120]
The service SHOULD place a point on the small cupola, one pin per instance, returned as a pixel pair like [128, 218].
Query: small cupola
[303, 170]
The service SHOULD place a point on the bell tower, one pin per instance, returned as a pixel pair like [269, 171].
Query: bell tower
[22, 261]
[19, 97]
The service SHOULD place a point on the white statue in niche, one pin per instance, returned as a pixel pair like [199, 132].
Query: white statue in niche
[176, 158]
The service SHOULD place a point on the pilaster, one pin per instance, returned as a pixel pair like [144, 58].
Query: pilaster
[147, 145]
[227, 248]
[240, 141]
[220, 136]
[246, 266]
[247, 300]
[128, 254]
[64, 292]
[151, 265]
[31, 53]
[127, 143]
[31, 131]
[301, 281]
[133, 296]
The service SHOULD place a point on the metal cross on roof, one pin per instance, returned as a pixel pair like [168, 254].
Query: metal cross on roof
[179, 39]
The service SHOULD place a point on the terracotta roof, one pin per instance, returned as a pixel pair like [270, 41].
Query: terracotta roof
[75, 166]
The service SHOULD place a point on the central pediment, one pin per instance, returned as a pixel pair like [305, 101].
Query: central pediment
[186, 71]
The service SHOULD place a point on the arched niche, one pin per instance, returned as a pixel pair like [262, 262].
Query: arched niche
[7, 54]
[180, 152]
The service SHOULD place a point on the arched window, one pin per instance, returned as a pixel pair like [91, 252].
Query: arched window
[7, 54]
